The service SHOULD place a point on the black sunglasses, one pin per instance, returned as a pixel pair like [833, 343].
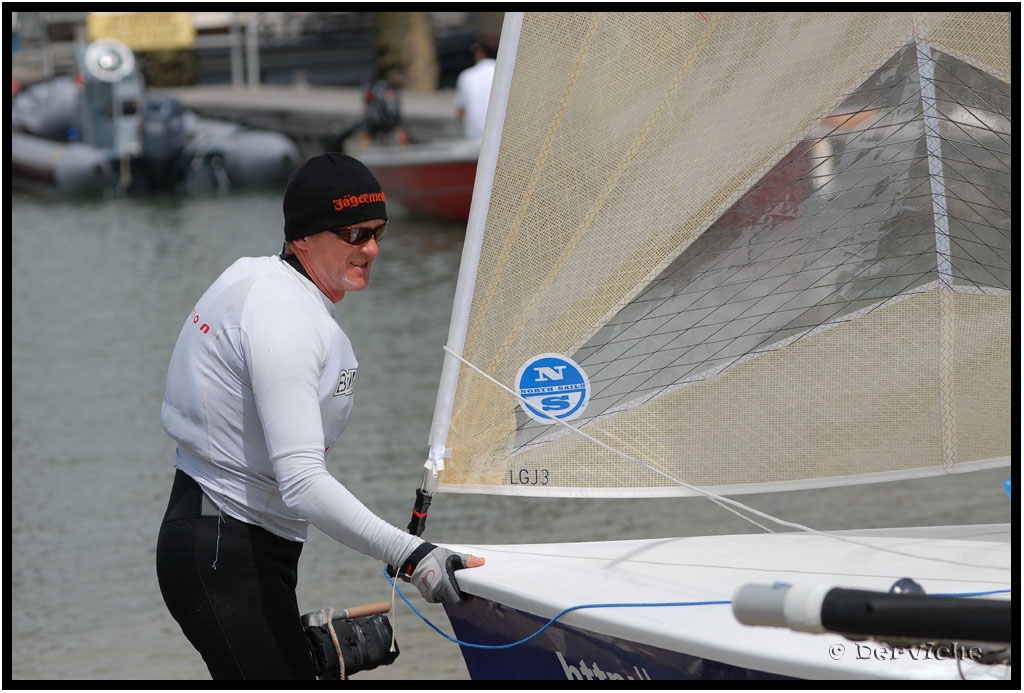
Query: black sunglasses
[357, 235]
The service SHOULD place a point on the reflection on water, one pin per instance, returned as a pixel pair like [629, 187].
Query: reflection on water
[98, 294]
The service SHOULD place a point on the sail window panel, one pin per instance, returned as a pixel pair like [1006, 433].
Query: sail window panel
[603, 348]
[585, 355]
[606, 362]
[804, 303]
[701, 357]
[651, 345]
[612, 370]
[765, 285]
[978, 261]
[974, 143]
[974, 207]
[685, 300]
[776, 194]
[631, 385]
[960, 83]
[884, 277]
[985, 187]
[797, 247]
[862, 197]
[707, 281]
[856, 296]
[991, 245]
[642, 328]
[616, 359]
[717, 298]
[975, 198]
[747, 262]
[984, 125]
[715, 319]
[775, 320]
[631, 312]
[694, 355]
[665, 287]
[979, 205]
[684, 356]
[799, 276]
[750, 320]
[912, 220]
[867, 272]
[702, 254]
[885, 142]
[834, 257]
[906, 272]
[607, 334]
[881, 247]
[640, 372]
[693, 329]
[612, 342]
[697, 274]
[822, 314]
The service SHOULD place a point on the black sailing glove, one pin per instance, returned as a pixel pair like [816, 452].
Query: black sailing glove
[432, 569]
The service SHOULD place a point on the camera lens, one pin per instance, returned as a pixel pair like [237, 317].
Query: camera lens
[366, 643]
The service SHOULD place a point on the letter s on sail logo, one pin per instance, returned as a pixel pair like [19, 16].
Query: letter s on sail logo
[553, 387]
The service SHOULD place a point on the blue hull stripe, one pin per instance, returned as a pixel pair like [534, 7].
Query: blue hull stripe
[564, 653]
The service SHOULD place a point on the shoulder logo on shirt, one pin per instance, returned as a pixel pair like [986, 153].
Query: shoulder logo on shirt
[346, 383]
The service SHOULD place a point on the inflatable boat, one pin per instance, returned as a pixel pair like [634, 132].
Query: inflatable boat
[97, 132]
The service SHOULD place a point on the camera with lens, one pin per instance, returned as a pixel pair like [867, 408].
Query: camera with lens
[365, 643]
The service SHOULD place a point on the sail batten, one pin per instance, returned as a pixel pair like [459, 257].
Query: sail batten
[778, 244]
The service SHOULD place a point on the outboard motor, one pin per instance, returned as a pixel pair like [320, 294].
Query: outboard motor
[109, 117]
[163, 141]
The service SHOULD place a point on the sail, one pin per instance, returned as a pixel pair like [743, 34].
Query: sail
[777, 246]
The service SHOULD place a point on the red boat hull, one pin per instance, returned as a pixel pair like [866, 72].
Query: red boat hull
[432, 180]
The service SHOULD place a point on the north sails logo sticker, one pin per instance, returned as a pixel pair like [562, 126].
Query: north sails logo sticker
[554, 387]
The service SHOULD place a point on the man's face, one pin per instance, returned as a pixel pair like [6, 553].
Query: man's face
[337, 266]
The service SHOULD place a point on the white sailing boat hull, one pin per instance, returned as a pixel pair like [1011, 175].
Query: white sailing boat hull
[678, 623]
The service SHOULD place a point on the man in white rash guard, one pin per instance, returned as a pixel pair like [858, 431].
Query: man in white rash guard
[473, 87]
[259, 387]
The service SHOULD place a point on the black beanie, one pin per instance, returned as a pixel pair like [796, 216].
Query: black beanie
[330, 190]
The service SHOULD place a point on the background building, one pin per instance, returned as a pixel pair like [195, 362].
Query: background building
[419, 51]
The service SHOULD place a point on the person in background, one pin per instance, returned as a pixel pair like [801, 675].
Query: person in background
[259, 387]
[473, 87]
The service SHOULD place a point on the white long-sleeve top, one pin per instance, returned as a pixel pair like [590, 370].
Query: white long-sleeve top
[473, 94]
[259, 387]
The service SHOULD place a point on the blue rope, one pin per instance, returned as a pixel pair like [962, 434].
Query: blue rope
[543, 628]
[563, 612]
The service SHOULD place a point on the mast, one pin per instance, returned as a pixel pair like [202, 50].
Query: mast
[468, 265]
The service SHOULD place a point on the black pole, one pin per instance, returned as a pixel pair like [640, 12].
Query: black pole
[880, 614]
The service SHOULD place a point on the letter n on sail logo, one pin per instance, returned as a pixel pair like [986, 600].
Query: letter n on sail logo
[553, 387]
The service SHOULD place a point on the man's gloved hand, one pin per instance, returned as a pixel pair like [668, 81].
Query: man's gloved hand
[432, 569]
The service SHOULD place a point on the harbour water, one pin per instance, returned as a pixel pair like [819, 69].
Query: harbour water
[98, 293]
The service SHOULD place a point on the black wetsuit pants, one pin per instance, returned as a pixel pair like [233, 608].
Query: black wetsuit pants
[231, 587]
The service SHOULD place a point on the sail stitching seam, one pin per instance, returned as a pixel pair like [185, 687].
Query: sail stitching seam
[947, 314]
